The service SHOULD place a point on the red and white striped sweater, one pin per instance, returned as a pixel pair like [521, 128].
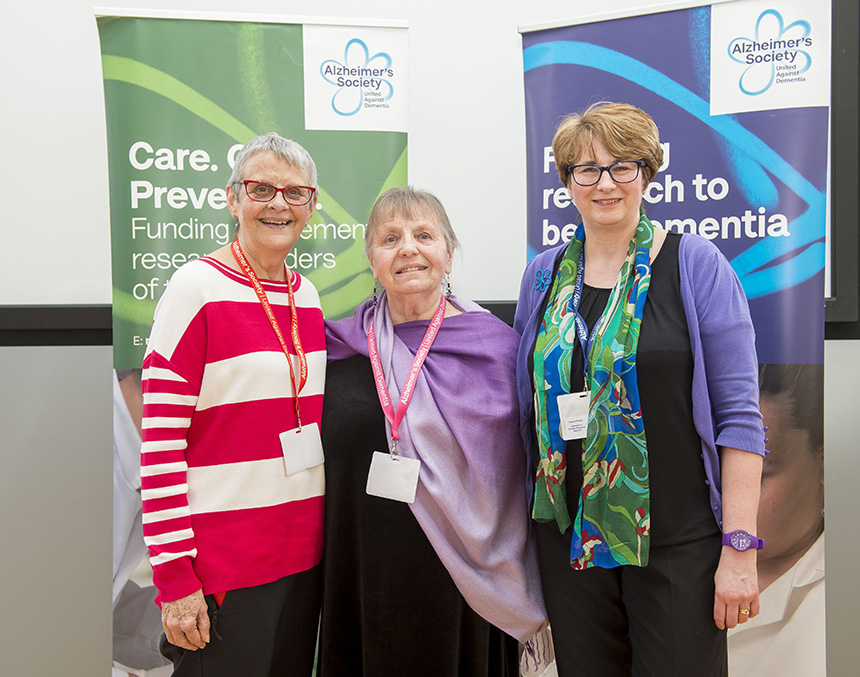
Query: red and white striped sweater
[219, 510]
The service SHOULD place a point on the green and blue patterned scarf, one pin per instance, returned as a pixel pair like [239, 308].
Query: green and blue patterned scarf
[612, 522]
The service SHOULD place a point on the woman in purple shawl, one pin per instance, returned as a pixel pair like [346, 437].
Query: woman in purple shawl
[444, 584]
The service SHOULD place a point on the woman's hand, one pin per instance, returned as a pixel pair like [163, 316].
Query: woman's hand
[736, 580]
[186, 621]
[736, 590]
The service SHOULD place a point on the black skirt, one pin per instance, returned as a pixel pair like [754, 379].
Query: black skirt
[389, 605]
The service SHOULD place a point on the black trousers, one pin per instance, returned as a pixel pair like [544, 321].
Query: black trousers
[266, 631]
[654, 621]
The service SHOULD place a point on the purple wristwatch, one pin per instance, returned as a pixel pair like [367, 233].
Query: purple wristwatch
[742, 540]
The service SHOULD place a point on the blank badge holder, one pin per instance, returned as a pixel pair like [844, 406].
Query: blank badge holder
[394, 477]
[302, 448]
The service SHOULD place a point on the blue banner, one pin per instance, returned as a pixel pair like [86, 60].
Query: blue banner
[740, 92]
[753, 182]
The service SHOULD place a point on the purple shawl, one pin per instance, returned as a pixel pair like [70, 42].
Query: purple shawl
[473, 490]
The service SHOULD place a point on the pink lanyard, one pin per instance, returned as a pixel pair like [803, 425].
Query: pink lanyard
[239, 255]
[394, 418]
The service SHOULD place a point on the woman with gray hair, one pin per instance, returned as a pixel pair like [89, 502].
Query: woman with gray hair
[231, 465]
[429, 559]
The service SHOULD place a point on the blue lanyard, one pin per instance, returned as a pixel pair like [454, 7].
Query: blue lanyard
[585, 340]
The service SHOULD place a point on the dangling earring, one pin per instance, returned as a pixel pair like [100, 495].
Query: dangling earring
[374, 291]
[448, 285]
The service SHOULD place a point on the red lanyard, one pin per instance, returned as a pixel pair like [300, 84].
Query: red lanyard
[394, 418]
[239, 255]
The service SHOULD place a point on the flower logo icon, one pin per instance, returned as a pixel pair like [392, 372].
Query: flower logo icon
[775, 47]
[542, 279]
[362, 79]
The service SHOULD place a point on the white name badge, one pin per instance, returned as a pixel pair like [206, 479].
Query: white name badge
[395, 478]
[302, 448]
[573, 412]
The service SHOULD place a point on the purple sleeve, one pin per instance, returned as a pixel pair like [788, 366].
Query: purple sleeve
[535, 285]
[524, 301]
[725, 344]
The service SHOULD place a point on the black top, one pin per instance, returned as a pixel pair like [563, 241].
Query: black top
[680, 506]
[389, 605]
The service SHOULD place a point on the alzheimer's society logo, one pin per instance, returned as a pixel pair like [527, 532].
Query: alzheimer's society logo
[362, 80]
[356, 77]
[775, 55]
[769, 55]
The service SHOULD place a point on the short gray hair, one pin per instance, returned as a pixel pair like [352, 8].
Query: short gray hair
[409, 203]
[286, 149]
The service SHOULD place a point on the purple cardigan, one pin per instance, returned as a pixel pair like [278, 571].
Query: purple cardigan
[725, 367]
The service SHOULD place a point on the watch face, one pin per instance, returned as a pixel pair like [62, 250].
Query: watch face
[741, 540]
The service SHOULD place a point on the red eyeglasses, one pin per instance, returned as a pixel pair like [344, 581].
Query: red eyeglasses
[265, 192]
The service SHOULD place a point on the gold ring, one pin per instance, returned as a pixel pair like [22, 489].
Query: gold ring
[745, 612]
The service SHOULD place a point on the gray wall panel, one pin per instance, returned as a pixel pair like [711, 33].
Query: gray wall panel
[842, 504]
[56, 455]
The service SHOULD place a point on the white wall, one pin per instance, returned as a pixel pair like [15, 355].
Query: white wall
[466, 140]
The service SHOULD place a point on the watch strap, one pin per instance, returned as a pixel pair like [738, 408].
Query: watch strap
[742, 540]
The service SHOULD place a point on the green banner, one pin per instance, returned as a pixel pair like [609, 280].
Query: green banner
[182, 96]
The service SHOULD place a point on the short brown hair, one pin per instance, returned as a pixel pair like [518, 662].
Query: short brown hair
[626, 132]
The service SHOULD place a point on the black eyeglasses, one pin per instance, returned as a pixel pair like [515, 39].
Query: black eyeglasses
[623, 171]
[265, 192]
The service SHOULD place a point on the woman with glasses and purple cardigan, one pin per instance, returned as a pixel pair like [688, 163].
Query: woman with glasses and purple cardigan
[637, 377]
[231, 465]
